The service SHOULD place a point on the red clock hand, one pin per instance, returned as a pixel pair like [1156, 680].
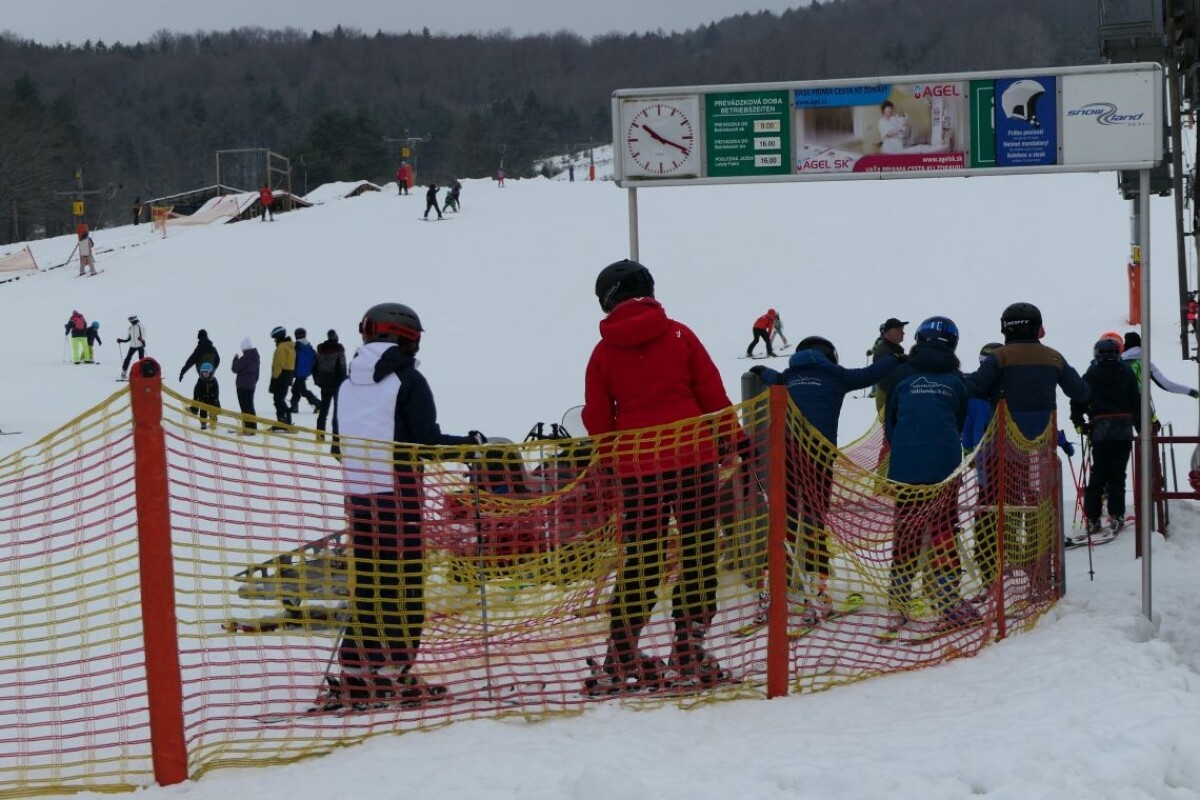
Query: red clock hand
[658, 138]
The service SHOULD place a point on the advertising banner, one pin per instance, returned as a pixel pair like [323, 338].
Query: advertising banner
[907, 127]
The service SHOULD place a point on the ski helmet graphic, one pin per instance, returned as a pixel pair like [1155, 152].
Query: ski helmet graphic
[1020, 101]
[622, 280]
[390, 322]
[938, 329]
[821, 345]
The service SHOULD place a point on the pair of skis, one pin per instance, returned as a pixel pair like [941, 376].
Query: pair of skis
[1108, 533]
[852, 602]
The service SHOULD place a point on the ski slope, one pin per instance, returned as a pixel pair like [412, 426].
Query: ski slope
[1097, 702]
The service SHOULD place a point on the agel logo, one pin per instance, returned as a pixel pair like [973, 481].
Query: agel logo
[937, 90]
[1106, 114]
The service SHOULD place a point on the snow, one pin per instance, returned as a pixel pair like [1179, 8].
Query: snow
[1097, 702]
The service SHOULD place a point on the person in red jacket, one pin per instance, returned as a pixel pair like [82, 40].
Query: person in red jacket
[764, 327]
[266, 199]
[649, 370]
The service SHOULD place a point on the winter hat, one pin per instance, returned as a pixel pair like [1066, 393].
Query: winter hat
[246, 345]
[301, 333]
[133, 319]
[891, 322]
[206, 367]
[332, 335]
[278, 332]
[1133, 339]
[202, 334]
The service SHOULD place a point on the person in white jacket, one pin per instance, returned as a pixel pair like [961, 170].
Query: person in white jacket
[1132, 355]
[136, 337]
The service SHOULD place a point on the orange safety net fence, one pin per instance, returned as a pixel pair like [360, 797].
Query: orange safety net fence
[506, 579]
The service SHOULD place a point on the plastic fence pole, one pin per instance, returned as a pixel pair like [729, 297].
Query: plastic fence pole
[1001, 499]
[157, 576]
[778, 668]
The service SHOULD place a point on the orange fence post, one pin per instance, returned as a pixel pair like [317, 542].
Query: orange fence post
[157, 576]
[1001, 495]
[778, 666]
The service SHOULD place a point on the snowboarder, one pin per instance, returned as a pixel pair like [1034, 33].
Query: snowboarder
[204, 351]
[385, 399]
[650, 370]
[306, 357]
[431, 201]
[246, 367]
[923, 420]
[817, 385]
[283, 371]
[136, 338]
[77, 329]
[266, 202]
[1109, 418]
[762, 328]
[329, 373]
[208, 392]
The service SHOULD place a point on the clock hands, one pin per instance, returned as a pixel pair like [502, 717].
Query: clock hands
[659, 138]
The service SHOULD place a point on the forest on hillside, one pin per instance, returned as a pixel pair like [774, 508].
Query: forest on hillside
[146, 119]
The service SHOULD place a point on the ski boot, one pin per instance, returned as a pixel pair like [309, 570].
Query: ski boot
[356, 691]
[629, 675]
[691, 663]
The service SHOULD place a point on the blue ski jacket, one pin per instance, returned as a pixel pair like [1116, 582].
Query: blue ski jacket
[926, 407]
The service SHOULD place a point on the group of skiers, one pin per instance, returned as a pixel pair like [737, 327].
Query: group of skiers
[452, 202]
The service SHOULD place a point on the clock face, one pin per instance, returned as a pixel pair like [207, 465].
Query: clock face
[660, 140]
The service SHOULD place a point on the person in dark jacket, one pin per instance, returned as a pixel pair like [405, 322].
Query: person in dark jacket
[208, 392]
[306, 358]
[649, 370]
[1109, 417]
[817, 385]
[246, 366]
[385, 399]
[891, 334]
[329, 372]
[923, 420]
[453, 201]
[431, 202]
[205, 352]
[93, 339]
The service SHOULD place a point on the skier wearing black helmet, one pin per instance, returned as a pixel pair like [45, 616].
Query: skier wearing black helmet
[817, 384]
[385, 399]
[1109, 417]
[283, 373]
[1025, 372]
[923, 420]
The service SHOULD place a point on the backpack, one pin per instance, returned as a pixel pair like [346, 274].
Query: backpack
[78, 323]
[325, 370]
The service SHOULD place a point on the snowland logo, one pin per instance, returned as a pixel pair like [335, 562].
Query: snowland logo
[923, 385]
[920, 92]
[1106, 114]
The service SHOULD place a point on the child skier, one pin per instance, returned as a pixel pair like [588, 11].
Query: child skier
[93, 338]
[208, 392]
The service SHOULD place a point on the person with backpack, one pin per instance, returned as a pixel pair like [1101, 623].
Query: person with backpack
[208, 392]
[329, 373]
[763, 328]
[246, 367]
[205, 352]
[1109, 418]
[136, 338]
[77, 329]
[431, 202]
[266, 202]
[306, 358]
[93, 339]
[283, 371]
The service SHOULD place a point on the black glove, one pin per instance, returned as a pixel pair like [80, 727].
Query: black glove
[1192, 393]
[122, 341]
[476, 437]
[270, 385]
[758, 369]
[745, 450]
[182, 374]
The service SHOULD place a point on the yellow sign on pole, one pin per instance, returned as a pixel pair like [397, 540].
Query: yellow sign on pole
[77, 208]
[405, 152]
[1137, 254]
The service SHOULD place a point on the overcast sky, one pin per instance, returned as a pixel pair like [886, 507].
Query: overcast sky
[130, 21]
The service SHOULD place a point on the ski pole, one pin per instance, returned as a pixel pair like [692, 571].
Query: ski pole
[64, 355]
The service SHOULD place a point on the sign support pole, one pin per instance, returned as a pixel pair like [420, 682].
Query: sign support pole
[1145, 511]
[633, 224]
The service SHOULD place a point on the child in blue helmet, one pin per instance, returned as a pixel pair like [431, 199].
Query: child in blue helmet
[93, 338]
[207, 392]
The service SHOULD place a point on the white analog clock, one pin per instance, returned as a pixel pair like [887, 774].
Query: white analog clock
[661, 137]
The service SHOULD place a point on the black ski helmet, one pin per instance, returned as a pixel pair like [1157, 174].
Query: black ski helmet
[1021, 321]
[390, 322]
[821, 345]
[621, 280]
[1106, 350]
[987, 350]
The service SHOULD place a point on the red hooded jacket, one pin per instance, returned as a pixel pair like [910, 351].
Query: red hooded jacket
[649, 370]
[766, 322]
